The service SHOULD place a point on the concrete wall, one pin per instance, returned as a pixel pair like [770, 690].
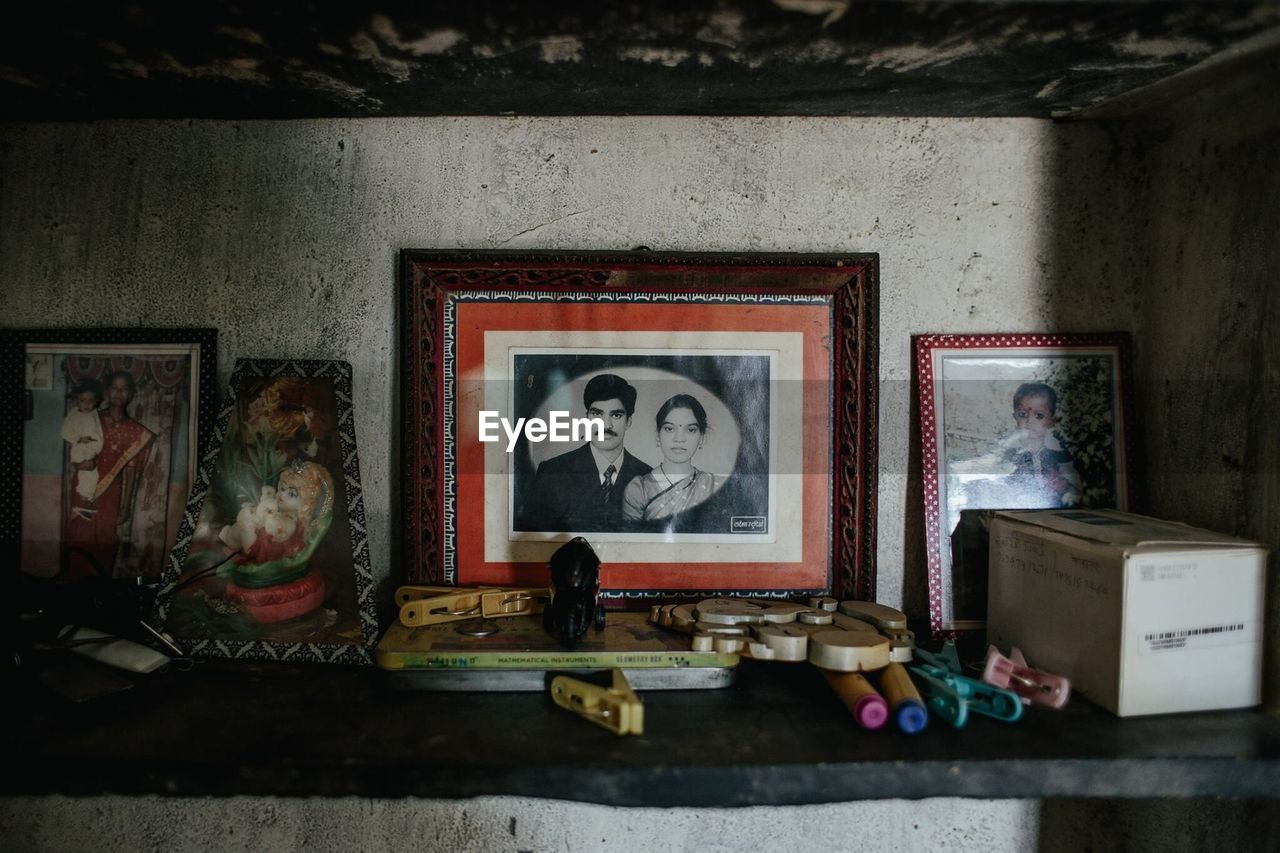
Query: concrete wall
[284, 236]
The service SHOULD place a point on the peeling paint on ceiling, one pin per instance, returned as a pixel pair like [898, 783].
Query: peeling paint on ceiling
[148, 58]
[1162, 48]
[834, 10]
[668, 56]
[561, 49]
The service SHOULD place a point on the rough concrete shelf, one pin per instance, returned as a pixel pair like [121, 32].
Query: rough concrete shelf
[777, 737]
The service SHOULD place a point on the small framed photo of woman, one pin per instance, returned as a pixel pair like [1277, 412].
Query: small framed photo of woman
[102, 451]
[1014, 421]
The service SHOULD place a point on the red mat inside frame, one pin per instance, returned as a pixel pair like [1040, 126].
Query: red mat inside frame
[473, 319]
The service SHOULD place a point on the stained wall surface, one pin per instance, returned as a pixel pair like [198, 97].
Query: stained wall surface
[285, 235]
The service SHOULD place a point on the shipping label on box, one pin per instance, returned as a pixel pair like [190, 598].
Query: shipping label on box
[1143, 616]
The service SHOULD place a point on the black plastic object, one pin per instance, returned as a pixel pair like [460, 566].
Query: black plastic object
[575, 592]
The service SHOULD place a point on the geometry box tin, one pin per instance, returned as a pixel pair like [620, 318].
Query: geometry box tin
[439, 657]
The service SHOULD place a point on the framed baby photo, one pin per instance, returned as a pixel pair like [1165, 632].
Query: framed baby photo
[1014, 421]
[101, 449]
[272, 559]
[707, 422]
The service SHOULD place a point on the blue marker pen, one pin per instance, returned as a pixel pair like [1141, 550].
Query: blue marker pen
[905, 704]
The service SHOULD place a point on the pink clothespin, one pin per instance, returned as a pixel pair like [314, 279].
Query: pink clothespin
[1033, 685]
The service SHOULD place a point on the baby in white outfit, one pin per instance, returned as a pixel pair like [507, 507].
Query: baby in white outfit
[83, 431]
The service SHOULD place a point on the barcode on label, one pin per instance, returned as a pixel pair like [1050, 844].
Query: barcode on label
[1195, 632]
[1211, 635]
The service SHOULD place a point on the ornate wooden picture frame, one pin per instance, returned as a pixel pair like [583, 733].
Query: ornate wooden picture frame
[1014, 421]
[272, 559]
[100, 446]
[735, 397]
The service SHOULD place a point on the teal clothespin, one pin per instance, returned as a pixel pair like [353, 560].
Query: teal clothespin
[991, 701]
[949, 654]
[945, 659]
[981, 698]
[941, 698]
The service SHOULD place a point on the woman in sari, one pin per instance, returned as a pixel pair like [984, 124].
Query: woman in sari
[675, 485]
[102, 525]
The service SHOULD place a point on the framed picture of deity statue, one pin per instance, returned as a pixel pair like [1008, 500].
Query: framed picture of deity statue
[272, 559]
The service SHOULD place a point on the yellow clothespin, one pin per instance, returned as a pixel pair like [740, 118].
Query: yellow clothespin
[617, 708]
[460, 604]
[514, 602]
[415, 592]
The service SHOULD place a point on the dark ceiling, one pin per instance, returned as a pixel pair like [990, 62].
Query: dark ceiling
[171, 59]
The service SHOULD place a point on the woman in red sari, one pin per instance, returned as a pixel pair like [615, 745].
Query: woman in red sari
[99, 528]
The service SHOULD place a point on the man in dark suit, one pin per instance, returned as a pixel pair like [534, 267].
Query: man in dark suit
[581, 491]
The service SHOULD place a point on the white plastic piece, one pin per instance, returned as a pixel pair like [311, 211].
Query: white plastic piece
[120, 653]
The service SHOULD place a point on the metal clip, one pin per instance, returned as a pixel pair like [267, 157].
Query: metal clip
[514, 602]
[617, 708]
[1033, 685]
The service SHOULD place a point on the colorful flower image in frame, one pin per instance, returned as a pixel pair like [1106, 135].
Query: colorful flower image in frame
[276, 563]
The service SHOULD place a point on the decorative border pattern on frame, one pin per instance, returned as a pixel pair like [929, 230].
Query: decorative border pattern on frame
[448, 571]
[13, 343]
[427, 280]
[340, 374]
[924, 346]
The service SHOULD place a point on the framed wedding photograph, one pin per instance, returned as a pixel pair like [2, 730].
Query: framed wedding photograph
[1014, 421]
[272, 560]
[707, 422]
[102, 446]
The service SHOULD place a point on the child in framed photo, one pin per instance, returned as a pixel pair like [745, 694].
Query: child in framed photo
[1013, 422]
[1030, 466]
[82, 431]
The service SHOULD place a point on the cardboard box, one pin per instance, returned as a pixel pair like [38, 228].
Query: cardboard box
[1144, 616]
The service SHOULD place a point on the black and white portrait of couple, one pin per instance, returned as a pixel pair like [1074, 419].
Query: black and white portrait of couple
[684, 449]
